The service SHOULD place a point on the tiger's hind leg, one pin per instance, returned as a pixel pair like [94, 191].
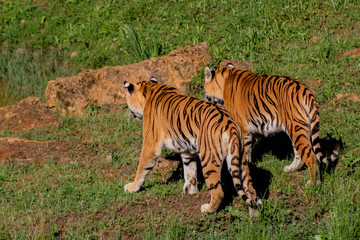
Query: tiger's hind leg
[296, 164]
[248, 142]
[212, 175]
[304, 149]
[190, 174]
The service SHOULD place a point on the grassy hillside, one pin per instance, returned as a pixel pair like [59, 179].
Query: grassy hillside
[81, 195]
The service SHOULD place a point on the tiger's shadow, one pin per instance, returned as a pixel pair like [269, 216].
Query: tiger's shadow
[261, 180]
[278, 145]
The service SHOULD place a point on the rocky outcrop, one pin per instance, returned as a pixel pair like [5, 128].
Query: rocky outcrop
[105, 86]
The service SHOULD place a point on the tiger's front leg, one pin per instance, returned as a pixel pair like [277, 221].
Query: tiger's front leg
[148, 158]
[190, 174]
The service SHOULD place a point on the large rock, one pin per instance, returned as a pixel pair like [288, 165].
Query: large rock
[105, 86]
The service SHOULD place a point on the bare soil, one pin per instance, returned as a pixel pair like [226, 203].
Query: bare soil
[29, 113]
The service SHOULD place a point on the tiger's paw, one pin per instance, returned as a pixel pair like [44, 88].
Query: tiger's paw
[289, 169]
[296, 164]
[131, 187]
[317, 183]
[255, 211]
[254, 214]
[204, 208]
[190, 189]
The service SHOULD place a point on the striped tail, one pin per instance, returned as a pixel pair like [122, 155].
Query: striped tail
[315, 125]
[240, 173]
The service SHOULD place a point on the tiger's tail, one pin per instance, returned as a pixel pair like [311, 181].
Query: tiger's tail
[240, 173]
[315, 139]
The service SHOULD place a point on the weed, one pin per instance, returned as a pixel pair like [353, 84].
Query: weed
[142, 47]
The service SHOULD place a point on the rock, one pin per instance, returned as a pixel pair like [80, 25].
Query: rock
[29, 113]
[29, 101]
[105, 86]
[242, 65]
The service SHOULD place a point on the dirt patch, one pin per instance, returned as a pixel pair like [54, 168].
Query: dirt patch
[314, 39]
[313, 83]
[29, 113]
[19, 149]
[185, 208]
[352, 53]
[347, 96]
[135, 217]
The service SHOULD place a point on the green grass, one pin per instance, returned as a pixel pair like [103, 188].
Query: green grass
[25, 72]
[82, 195]
[105, 33]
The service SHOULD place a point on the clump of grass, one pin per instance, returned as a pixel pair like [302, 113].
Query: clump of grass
[196, 86]
[140, 45]
[25, 72]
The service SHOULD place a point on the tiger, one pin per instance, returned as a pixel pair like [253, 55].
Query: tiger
[265, 105]
[193, 128]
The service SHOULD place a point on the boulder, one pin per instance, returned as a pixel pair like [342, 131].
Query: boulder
[106, 85]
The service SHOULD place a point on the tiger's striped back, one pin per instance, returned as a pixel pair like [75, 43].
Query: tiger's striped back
[269, 104]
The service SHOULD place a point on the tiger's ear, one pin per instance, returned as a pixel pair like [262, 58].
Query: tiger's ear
[208, 74]
[230, 65]
[154, 80]
[129, 87]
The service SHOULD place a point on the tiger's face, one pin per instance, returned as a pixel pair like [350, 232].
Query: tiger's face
[135, 99]
[214, 83]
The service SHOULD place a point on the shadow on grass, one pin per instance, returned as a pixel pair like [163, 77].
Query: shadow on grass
[279, 145]
[261, 180]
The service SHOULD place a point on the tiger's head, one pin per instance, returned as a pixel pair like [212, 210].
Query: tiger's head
[136, 96]
[214, 83]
